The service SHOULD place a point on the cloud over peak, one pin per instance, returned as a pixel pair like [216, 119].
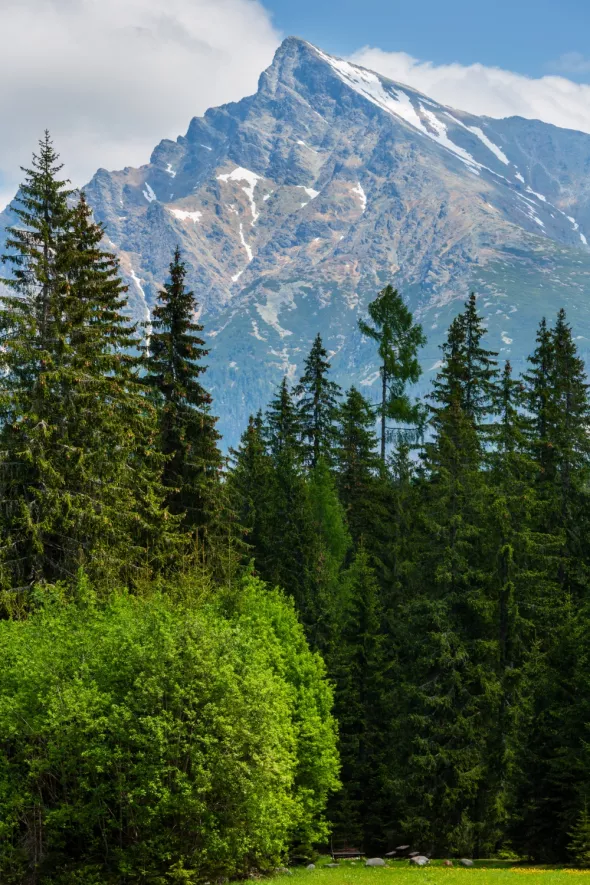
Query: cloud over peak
[486, 91]
[110, 78]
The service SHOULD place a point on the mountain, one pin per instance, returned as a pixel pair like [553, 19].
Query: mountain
[294, 206]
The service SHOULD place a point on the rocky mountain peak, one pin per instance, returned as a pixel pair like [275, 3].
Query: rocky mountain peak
[295, 205]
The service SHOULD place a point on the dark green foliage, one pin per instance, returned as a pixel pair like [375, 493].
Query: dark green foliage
[318, 399]
[185, 734]
[325, 598]
[188, 437]
[399, 340]
[579, 846]
[283, 425]
[358, 666]
[152, 740]
[35, 246]
[80, 473]
[250, 487]
[357, 463]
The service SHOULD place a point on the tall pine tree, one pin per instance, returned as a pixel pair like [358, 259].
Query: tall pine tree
[317, 405]
[399, 340]
[188, 437]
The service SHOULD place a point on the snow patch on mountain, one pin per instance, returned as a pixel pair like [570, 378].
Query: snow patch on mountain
[529, 190]
[249, 253]
[170, 170]
[397, 103]
[251, 179]
[147, 316]
[441, 136]
[256, 331]
[370, 380]
[498, 152]
[359, 191]
[149, 193]
[271, 309]
[185, 215]
[246, 246]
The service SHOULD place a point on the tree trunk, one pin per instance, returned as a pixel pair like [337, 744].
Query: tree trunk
[383, 408]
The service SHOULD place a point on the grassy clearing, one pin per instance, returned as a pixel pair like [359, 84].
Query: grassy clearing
[400, 873]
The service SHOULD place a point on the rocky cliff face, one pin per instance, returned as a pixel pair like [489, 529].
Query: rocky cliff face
[294, 206]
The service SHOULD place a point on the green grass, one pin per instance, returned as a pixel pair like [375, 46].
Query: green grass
[401, 873]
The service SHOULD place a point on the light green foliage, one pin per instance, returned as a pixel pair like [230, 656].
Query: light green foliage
[142, 739]
[485, 872]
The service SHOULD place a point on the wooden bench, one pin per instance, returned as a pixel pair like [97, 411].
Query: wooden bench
[347, 853]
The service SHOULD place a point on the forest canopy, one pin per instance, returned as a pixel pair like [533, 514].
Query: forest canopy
[369, 623]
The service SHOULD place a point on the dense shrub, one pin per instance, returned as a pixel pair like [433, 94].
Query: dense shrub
[146, 740]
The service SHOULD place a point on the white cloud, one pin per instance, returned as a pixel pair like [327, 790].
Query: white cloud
[110, 78]
[487, 91]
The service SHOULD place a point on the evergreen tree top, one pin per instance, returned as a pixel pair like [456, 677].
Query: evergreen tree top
[399, 338]
[469, 373]
[314, 385]
[176, 347]
[317, 404]
[283, 426]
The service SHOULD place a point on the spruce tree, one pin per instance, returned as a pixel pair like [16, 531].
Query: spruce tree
[358, 666]
[188, 437]
[317, 405]
[250, 483]
[399, 340]
[480, 365]
[34, 250]
[469, 371]
[551, 767]
[520, 570]
[290, 524]
[325, 596]
[445, 629]
[539, 401]
[283, 424]
[80, 477]
[357, 464]
[108, 419]
[579, 846]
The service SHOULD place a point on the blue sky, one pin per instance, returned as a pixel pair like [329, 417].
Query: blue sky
[526, 36]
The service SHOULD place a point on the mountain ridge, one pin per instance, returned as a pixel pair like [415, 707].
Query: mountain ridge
[295, 205]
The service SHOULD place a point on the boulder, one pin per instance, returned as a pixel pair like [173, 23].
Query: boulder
[310, 866]
[466, 862]
[420, 860]
[448, 863]
[391, 854]
[331, 865]
[414, 854]
[375, 862]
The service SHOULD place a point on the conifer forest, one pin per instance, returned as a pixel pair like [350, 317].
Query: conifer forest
[369, 623]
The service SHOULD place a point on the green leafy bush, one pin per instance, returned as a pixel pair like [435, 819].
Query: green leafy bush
[146, 740]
